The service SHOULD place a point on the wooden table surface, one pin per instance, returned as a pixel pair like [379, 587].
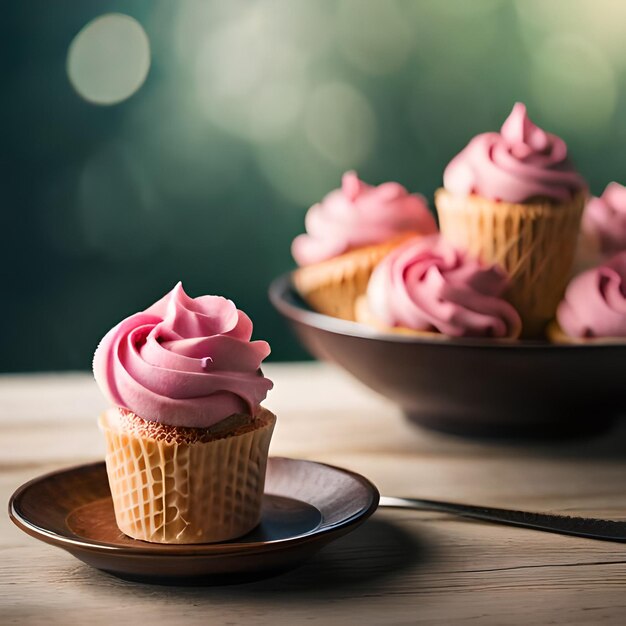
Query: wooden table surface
[400, 567]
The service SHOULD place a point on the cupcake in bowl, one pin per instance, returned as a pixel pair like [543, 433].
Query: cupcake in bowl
[428, 288]
[186, 438]
[513, 198]
[347, 234]
[603, 228]
[594, 306]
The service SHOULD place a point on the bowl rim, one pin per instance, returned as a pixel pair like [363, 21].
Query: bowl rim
[282, 286]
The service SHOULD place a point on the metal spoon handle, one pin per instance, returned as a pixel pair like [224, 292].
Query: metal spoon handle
[589, 527]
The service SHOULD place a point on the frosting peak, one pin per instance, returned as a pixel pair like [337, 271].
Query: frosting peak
[426, 284]
[359, 215]
[594, 304]
[183, 362]
[524, 137]
[351, 185]
[519, 163]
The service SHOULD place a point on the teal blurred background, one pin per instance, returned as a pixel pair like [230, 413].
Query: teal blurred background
[148, 141]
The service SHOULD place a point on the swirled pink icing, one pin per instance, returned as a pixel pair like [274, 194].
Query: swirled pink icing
[594, 304]
[183, 362]
[604, 219]
[426, 284]
[517, 164]
[358, 215]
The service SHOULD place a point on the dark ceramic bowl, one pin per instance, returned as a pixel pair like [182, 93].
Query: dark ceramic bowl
[483, 388]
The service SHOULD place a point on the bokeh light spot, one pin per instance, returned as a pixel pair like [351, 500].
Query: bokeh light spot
[374, 36]
[248, 81]
[340, 124]
[296, 171]
[109, 59]
[600, 22]
[573, 85]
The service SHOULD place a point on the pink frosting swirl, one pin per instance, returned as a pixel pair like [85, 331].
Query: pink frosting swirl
[604, 219]
[183, 362]
[594, 304]
[426, 284]
[360, 215]
[518, 163]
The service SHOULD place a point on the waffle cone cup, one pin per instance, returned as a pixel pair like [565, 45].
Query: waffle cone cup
[186, 485]
[332, 287]
[534, 242]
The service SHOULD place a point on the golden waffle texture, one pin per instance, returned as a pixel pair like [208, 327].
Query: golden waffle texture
[332, 287]
[186, 489]
[534, 242]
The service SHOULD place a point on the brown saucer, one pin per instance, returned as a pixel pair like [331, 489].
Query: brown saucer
[306, 505]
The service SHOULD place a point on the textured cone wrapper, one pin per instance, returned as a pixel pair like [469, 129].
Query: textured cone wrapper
[332, 287]
[166, 491]
[534, 242]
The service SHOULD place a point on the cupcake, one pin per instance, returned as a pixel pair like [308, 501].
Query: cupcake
[594, 306]
[513, 198]
[426, 287]
[603, 228]
[186, 437]
[348, 232]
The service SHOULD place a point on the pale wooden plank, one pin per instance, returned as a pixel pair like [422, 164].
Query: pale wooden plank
[402, 567]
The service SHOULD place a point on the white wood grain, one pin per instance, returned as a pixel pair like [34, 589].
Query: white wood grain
[401, 567]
